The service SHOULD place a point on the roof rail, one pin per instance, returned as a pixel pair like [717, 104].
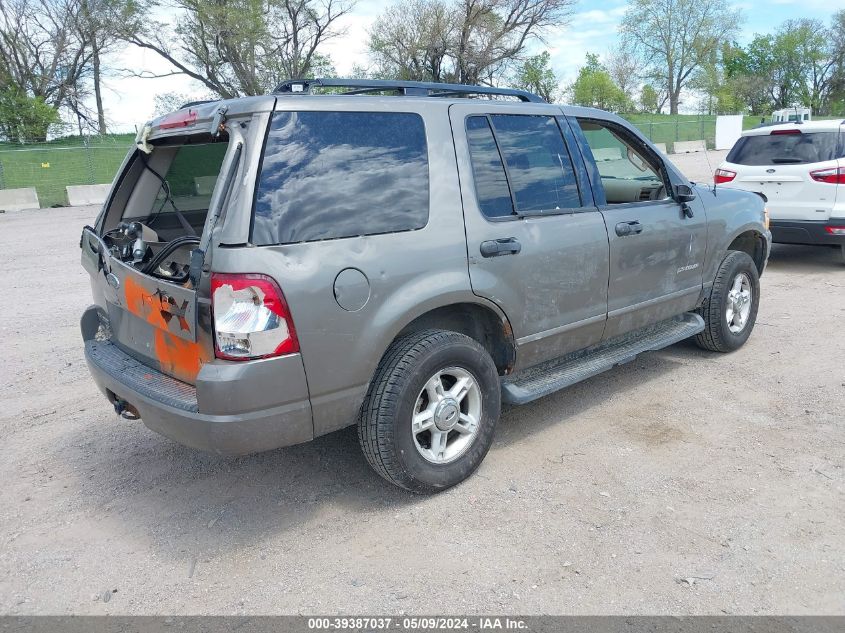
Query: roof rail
[405, 88]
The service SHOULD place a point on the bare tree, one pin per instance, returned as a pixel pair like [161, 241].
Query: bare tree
[675, 37]
[492, 33]
[469, 41]
[244, 47]
[413, 40]
[100, 23]
[625, 68]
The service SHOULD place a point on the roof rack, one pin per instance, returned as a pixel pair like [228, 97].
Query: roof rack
[405, 88]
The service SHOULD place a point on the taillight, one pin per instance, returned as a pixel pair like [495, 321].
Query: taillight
[251, 317]
[785, 132]
[835, 230]
[832, 176]
[178, 119]
[723, 175]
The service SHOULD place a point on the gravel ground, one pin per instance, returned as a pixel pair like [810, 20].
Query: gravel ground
[699, 166]
[684, 482]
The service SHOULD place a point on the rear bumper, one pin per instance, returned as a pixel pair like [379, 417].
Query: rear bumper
[234, 409]
[811, 232]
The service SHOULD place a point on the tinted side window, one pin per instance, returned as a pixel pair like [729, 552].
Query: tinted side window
[537, 171]
[328, 175]
[784, 149]
[491, 183]
[538, 164]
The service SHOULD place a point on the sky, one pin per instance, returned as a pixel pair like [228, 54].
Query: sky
[593, 28]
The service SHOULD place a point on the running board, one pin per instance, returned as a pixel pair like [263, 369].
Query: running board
[541, 380]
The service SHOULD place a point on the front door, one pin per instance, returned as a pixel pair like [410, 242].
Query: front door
[537, 245]
[657, 248]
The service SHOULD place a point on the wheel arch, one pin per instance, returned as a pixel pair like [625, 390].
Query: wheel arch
[487, 326]
[752, 242]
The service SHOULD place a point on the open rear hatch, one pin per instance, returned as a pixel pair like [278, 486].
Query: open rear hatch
[144, 255]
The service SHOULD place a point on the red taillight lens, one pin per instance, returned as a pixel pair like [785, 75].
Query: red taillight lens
[835, 230]
[832, 176]
[784, 132]
[723, 175]
[178, 119]
[251, 317]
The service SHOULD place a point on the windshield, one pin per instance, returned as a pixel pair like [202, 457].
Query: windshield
[785, 149]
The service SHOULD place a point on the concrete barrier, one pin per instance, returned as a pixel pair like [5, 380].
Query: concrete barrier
[18, 199]
[82, 195]
[685, 147]
[661, 147]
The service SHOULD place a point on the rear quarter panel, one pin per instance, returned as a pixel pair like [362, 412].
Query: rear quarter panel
[408, 273]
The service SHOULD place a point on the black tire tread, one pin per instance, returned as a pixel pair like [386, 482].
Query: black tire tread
[374, 434]
[711, 338]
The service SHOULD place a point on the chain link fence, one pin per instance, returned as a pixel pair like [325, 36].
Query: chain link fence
[91, 160]
[50, 167]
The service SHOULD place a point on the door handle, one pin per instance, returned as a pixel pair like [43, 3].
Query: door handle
[623, 229]
[504, 246]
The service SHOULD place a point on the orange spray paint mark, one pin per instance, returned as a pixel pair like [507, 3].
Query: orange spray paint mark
[179, 358]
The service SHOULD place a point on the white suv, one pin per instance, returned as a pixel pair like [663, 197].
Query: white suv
[800, 169]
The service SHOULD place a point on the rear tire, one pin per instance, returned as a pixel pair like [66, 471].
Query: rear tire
[429, 416]
[730, 311]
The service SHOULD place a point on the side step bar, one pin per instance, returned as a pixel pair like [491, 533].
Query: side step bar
[541, 380]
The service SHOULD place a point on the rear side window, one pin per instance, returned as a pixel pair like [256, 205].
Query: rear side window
[785, 149]
[521, 165]
[491, 183]
[329, 175]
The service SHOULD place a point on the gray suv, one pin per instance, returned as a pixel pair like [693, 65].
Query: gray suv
[402, 256]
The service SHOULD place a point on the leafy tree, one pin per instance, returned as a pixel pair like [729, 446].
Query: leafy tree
[24, 119]
[595, 88]
[836, 96]
[42, 55]
[675, 37]
[649, 100]
[535, 74]
[796, 63]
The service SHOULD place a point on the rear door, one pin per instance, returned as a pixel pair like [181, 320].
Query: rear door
[656, 249]
[149, 317]
[536, 243]
[779, 164]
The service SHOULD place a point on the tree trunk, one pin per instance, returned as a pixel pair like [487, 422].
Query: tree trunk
[98, 95]
[674, 99]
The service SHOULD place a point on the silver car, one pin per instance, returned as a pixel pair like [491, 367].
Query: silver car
[399, 256]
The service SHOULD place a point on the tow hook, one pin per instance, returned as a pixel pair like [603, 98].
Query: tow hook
[125, 410]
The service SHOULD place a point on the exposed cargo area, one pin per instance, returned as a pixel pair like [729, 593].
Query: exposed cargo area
[158, 210]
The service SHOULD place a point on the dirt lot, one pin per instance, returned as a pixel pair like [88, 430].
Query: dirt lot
[684, 482]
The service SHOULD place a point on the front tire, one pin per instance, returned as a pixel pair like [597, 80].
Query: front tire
[730, 311]
[429, 416]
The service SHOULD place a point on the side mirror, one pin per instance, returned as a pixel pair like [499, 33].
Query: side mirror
[684, 194]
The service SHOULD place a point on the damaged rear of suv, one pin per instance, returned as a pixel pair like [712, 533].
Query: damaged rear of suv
[183, 195]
